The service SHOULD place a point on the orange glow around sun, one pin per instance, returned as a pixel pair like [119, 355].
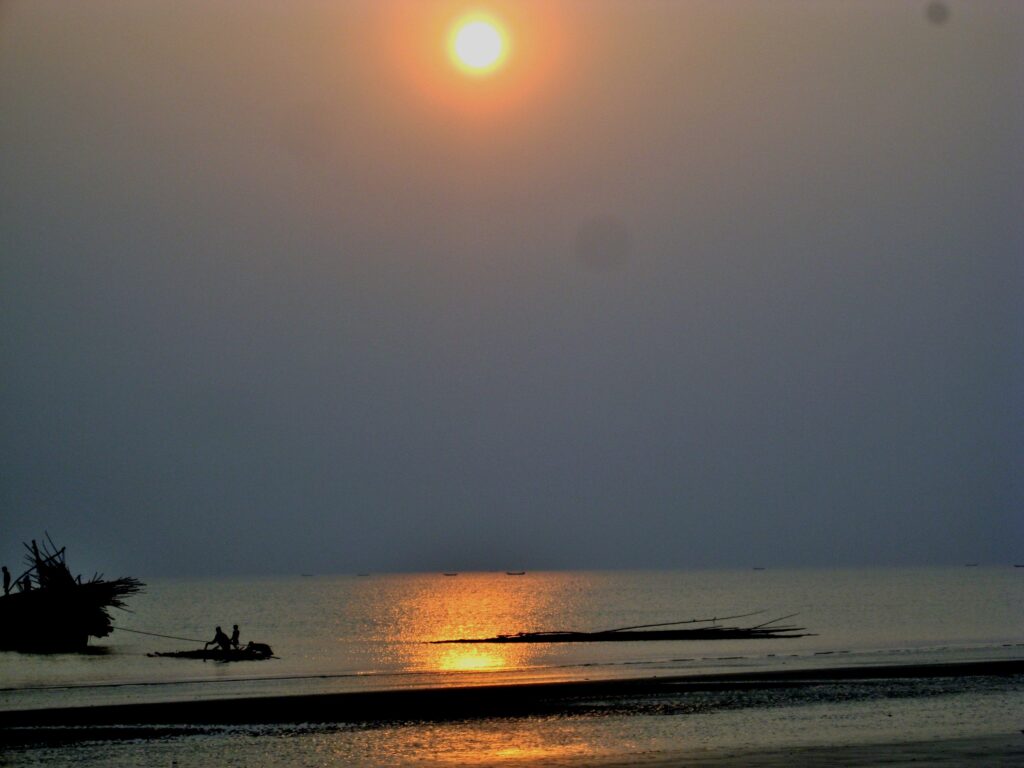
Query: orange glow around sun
[479, 60]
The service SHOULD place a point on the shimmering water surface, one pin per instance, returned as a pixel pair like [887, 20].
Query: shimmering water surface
[337, 633]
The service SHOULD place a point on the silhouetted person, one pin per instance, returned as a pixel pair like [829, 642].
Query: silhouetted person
[7, 581]
[25, 585]
[219, 639]
[260, 648]
[234, 637]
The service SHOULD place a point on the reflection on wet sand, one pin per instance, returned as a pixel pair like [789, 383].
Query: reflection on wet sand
[496, 749]
[534, 741]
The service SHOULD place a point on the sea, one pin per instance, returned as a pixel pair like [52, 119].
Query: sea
[358, 632]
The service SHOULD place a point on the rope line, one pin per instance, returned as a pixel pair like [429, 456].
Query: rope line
[157, 634]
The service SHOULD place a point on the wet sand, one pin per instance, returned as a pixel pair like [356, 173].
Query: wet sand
[441, 704]
[989, 751]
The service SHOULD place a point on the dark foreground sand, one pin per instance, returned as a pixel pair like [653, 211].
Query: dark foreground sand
[987, 751]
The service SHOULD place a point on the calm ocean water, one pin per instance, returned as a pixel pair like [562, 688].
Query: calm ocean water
[338, 633]
[341, 633]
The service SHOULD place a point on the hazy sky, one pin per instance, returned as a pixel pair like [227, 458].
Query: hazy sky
[684, 284]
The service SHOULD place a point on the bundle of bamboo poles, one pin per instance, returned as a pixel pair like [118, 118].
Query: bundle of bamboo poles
[714, 630]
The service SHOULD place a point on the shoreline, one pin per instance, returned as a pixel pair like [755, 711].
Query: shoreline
[469, 702]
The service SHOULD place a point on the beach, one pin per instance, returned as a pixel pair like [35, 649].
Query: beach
[941, 714]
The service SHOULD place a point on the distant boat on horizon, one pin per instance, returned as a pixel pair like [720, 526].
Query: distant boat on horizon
[451, 574]
[515, 573]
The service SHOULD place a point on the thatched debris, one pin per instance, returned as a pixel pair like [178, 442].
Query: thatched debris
[49, 610]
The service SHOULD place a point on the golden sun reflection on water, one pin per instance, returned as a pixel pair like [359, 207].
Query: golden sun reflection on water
[464, 658]
[472, 605]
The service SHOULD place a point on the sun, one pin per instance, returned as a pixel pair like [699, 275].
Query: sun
[478, 45]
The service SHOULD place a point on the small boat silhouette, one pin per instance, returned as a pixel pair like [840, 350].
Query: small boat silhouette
[515, 573]
[251, 652]
[451, 574]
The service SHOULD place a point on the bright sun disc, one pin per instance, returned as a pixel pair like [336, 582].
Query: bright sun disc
[478, 46]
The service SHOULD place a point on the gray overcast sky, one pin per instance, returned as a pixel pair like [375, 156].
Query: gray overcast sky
[684, 284]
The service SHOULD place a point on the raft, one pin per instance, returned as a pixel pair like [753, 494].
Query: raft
[253, 652]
